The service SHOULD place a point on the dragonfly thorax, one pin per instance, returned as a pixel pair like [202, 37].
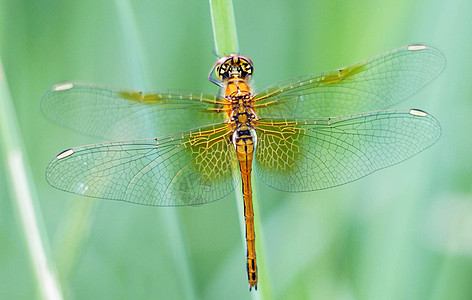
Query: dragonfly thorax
[237, 89]
[239, 95]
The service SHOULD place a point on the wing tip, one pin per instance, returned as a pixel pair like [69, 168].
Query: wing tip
[63, 86]
[65, 154]
[416, 47]
[418, 112]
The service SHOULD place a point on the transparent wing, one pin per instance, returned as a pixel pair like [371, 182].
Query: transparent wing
[125, 115]
[307, 155]
[374, 84]
[188, 169]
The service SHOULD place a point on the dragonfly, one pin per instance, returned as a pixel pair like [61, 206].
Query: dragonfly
[182, 148]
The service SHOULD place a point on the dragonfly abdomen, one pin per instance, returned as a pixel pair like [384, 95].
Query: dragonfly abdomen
[244, 141]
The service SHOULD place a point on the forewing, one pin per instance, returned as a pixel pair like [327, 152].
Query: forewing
[188, 169]
[126, 115]
[307, 155]
[375, 84]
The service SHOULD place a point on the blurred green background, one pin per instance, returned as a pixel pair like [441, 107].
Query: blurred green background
[401, 233]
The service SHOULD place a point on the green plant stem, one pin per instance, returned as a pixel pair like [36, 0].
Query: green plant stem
[224, 27]
[24, 196]
[226, 42]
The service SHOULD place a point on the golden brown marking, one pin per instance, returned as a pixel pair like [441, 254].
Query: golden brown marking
[153, 98]
[334, 77]
[341, 74]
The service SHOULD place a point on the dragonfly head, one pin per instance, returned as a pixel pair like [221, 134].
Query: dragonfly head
[232, 66]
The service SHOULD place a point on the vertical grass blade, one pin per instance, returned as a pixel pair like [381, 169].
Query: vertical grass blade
[224, 27]
[136, 66]
[132, 44]
[24, 197]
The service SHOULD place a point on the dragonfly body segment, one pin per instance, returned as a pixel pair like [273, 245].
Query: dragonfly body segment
[235, 72]
[181, 148]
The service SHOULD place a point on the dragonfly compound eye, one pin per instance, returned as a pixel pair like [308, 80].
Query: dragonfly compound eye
[246, 66]
[233, 66]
